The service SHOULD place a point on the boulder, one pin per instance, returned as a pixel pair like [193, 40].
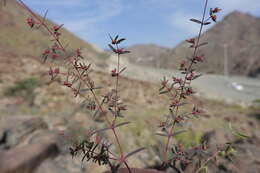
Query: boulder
[136, 170]
[26, 159]
[15, 129]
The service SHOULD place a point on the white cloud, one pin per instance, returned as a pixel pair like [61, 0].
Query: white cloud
[101, 11]
[84, 16]
[88, 18]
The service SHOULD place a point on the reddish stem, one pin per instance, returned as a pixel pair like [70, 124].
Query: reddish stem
[88, 84]
[184, 83]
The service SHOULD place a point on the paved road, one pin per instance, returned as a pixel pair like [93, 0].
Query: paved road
[235, 89]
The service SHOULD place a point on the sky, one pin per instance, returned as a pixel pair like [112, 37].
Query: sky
[162, 22]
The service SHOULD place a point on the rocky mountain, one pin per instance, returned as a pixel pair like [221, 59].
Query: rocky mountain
[15, 40]
[236, 37]
[146, 54]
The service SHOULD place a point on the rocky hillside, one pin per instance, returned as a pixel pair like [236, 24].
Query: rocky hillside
[146, 54]
[18, 39]
[237, 36]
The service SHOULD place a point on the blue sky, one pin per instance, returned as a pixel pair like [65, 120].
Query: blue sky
[162, 22]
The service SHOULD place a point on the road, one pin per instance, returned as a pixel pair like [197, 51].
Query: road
[235, 89]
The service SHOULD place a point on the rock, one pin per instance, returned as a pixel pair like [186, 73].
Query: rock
[49, 135]
[135, 170]
[62, 164]
[15, 129]
[26, 159]
[217, 136]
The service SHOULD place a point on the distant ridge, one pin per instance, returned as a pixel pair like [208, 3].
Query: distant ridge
[238, 32]
[146, 54]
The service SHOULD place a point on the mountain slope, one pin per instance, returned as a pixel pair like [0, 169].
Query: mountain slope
[18, 38]
[146, 54]
[21, 49]
[238, 35]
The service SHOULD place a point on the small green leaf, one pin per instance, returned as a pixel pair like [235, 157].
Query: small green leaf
[120, 40]
[134, 152]
[99, 130]
[237, 133]
[112, 48]
[163, 92]
[121, 124]
[116, 37]
[202, 44]
[196, 21]
[161, 134]
[196, 76]
[206, 23]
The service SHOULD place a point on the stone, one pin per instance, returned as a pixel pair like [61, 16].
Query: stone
[135, 170]
[26, 159]
[15, 129]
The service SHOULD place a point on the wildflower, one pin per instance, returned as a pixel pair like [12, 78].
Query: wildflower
[54, 56]
[118, 50]
[215, 10]
[55, 47]
[164, 82]
[91, 105]
[56, 30]
[97, 139]
[122, 108]
[66, 83]
[177, 80]
[31, 22]
[189, 91]
[192, 41]
[162, 124]
[214, 18]
[50, 72]
[78, 53]
[115, 40]
[122, 51]
[190, 76]
[178, 119]
[175, 103]
[212, 13]
[199, 58]
[57, 70]
[53, 72]
[46, 52]
[106, 143]
[196, 111]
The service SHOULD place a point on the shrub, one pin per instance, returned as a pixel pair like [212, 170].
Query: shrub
[255, 109]
[78, 79]
[25, 89]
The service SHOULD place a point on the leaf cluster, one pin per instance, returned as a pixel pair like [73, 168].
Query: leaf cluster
[24, 88]
[95, 152]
